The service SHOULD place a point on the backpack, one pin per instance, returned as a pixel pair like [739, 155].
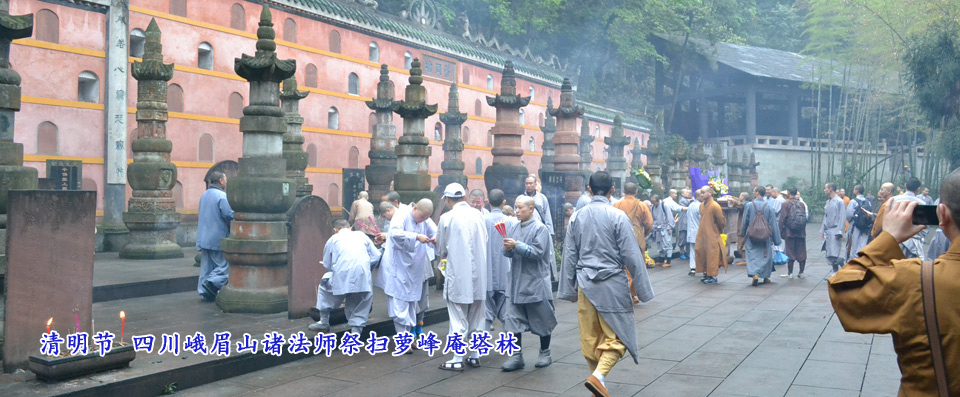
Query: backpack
[861, 220]
[796, 218]
[759, 230]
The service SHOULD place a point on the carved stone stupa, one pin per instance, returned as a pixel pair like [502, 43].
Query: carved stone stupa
[507, 172]
[412, 180]
[261, 193]
[383, 143]
[151, 215]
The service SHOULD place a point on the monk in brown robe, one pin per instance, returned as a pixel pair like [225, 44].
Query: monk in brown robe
[640, 218]
[886, 191]
[880, 292]
[709, 249]
[795, 240]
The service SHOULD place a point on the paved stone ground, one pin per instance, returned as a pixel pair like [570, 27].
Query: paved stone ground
[729, 339]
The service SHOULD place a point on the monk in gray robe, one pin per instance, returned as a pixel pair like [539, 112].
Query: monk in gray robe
[913, 248]
[498, 266]
[831, 230]
[856, 238]
[662, 236]
[760, 253]
[529, 306]
[598, 251]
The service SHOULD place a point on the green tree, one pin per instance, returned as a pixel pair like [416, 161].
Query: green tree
[932, 63]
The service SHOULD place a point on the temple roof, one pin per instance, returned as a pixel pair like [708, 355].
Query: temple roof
[391, 26]
[766, 62]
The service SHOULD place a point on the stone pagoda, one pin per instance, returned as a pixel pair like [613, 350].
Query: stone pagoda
[452, 164]
[566, 142]
[616, 162]
[151, 215]
[413, 150]
[297, 159]
[717, 158]
[548, 148]
[733, 177]
[383, 142]
[653, 155]
[507, 172]
[261, 193]
[698, 156]
[13, 175]
[586, 148]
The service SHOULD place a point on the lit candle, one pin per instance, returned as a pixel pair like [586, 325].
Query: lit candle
[50, 321]
[123, 323]
[76, 321]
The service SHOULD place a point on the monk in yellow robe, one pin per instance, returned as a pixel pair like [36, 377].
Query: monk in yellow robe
[881, 292]
[640, 218]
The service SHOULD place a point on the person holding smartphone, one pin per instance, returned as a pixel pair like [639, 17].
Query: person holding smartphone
[880, 291]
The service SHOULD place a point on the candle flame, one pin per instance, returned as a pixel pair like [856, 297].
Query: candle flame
[122, 314]
[50, 321]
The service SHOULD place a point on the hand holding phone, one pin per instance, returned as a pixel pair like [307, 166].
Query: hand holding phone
[897, 222]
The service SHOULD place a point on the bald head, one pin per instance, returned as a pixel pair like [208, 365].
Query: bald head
[949, 210]
[886, 191]
[422, 210]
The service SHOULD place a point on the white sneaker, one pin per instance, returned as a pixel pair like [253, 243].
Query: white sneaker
[786, 276]
[800, 275]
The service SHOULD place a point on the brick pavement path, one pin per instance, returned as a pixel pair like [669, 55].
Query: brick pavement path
[729, 339]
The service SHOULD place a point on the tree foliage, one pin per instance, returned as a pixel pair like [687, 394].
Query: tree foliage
[932, 61]
[607, 45]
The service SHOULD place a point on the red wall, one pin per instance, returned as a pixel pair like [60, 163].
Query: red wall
[50, 74]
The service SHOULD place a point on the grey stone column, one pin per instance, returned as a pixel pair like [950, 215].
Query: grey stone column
[793, 128]
[751, 114]
[293, 139]
[452, 164]
[13, 175]
[412, 180]
[549, 128]
[115, 146]
[383, 142]
[152, 216]
[704, 118]
[261, 193]
[586, 148]
[566, 142]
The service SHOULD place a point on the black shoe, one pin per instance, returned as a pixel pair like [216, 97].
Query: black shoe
[692, 272]
[207, 297]
[209, 288]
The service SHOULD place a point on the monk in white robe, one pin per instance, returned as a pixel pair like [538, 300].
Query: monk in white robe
[462, 241]
[348, 256]
[401, 273]
[693, 226]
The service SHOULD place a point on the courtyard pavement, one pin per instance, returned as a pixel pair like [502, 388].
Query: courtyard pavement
[728, 339]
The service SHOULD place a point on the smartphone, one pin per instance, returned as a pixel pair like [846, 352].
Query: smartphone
[925, 215]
